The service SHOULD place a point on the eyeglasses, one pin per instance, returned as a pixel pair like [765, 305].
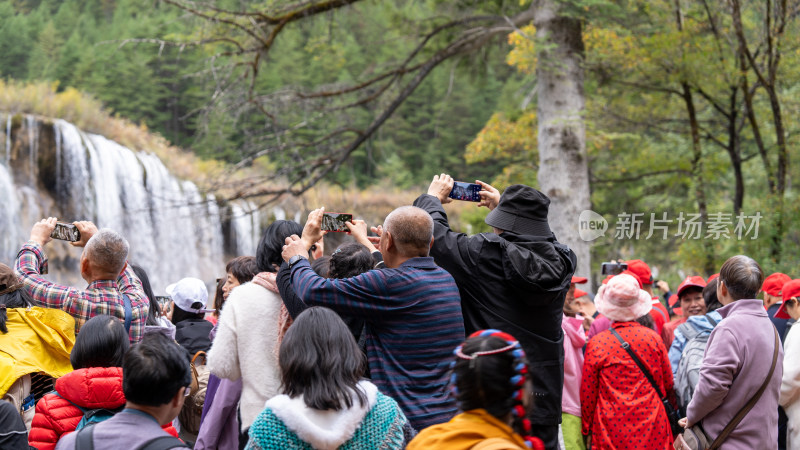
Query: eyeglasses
[187, 390]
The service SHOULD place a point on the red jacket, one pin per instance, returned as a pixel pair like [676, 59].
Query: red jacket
[619, 407]
[91, 388]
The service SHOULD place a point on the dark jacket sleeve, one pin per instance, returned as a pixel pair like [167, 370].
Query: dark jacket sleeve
[294, 304]
[377, 259]
[451, 250]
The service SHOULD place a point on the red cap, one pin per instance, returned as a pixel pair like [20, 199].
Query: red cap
[634, 275]
[773, 283]
[579, 293]
[579, 280]
[677, 311]
[608, 278]
[673, 300]
[695, 281]
[641, 269]
[789, 290]
[713, 277]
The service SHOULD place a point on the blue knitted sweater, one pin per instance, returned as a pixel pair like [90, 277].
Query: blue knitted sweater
[384, 427]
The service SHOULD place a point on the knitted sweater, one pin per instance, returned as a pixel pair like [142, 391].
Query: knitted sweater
[289, 423]
[247, 335]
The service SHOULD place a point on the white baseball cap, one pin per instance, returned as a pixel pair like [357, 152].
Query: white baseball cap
[188, 291]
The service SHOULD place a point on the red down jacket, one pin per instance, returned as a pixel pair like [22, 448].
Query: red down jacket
[91, 388]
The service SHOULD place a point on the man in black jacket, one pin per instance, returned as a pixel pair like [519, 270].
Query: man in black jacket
[513, 280]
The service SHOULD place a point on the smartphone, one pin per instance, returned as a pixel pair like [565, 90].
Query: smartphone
[468, 192]
[163, 300]
[613, 268]
[335, 222]
[66, 232]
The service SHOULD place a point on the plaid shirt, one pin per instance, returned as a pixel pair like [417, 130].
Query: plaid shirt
[100, 297]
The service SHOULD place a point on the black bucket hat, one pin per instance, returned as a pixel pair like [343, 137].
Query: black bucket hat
[522, 210]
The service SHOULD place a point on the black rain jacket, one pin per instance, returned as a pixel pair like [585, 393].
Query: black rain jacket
[513, 283]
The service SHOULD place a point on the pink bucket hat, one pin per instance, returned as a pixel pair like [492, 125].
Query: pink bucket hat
[621, 300]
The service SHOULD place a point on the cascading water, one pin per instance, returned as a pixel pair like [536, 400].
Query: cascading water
[57, 170]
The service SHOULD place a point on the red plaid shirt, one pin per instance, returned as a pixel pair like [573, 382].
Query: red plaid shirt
[100, 297]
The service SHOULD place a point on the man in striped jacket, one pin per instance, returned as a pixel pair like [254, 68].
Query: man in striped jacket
[411, 309]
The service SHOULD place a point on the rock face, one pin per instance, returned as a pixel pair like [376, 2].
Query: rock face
[51, 168]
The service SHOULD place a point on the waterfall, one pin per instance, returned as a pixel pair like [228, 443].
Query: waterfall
[174, 230]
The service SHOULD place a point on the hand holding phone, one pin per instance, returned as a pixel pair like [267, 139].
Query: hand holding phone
[440, 187]
[358, 229]
[41, 231]
[490, 196]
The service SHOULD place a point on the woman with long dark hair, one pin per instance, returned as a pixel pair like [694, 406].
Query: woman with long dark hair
[250, 327]
[324, 402]
[490, 382]
[156, 322]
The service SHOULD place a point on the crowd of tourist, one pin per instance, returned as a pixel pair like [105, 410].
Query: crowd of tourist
[409, 335]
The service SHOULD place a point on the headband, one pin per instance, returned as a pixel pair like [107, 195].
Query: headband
[518, 380]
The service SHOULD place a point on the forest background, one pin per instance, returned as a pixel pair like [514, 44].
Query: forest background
[691, 107]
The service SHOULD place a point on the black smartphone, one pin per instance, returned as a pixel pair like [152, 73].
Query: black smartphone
[335, 222]
[613, 268]
[468, 192]
[66, 232]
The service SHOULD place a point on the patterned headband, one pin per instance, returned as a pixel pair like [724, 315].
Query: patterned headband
[518, 380]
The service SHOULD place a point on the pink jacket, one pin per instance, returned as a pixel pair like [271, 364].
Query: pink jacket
[574, 340]
[737, 360]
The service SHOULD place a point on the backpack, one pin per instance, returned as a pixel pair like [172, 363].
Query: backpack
[189, 416]
[93, 416]
[688, 373]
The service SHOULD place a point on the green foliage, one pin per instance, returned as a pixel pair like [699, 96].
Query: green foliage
[641, 157]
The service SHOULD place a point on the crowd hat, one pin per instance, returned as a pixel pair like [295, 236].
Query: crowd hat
[607, 279]
[713, 277]
[579, 293]
[789, 290]
[774, 283]
[695, 281]
[579, 280]
[187, 292]
[641, 269]
[522, 210]
[9, 282]
[622, 300]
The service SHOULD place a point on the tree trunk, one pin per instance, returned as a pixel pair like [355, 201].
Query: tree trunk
[563, 172]
[734, 150]
[697, 176]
